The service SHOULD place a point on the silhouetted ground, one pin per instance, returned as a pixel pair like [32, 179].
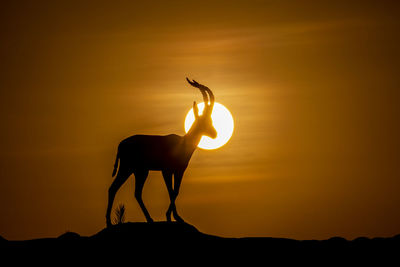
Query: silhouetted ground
[177, 241]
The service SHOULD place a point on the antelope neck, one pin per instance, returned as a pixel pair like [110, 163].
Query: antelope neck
[192, 138]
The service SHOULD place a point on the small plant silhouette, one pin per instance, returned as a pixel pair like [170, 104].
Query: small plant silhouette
[120, 214]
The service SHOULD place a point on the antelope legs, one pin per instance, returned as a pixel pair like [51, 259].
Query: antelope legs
[173, 193]
[140, 179]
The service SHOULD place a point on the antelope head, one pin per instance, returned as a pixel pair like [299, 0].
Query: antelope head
[203, 123]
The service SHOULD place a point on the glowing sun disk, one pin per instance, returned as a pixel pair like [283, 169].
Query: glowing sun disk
[222, 121]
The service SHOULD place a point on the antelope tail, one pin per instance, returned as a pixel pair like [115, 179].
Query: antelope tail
[116, 164]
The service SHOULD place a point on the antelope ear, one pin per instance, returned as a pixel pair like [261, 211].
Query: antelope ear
[195, 110]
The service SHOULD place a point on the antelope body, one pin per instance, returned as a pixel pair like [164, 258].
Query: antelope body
[169, 154]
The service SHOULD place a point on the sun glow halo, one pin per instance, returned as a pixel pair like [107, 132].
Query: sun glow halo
[222, 121]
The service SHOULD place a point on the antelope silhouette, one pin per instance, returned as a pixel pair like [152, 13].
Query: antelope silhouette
[169, 154]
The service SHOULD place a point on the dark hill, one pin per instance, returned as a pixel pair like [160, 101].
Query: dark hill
[163, 239]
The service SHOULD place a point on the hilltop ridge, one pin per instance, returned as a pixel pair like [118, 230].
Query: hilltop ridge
[171, 238]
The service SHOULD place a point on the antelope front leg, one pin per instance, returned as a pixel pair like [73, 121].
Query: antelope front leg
[168, 182]
[177, 184]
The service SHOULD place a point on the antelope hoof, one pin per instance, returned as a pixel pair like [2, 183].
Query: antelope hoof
[178, 218]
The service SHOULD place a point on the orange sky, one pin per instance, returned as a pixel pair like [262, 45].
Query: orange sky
[313, 88]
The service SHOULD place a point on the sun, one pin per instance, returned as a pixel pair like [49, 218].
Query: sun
[222, 121]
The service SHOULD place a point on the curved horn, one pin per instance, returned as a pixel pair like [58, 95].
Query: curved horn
[210, 94]
[200, 87]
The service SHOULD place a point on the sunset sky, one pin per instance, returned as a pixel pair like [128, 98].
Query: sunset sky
[314, 89]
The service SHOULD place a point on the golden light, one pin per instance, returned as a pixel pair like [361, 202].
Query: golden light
[222, 121]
